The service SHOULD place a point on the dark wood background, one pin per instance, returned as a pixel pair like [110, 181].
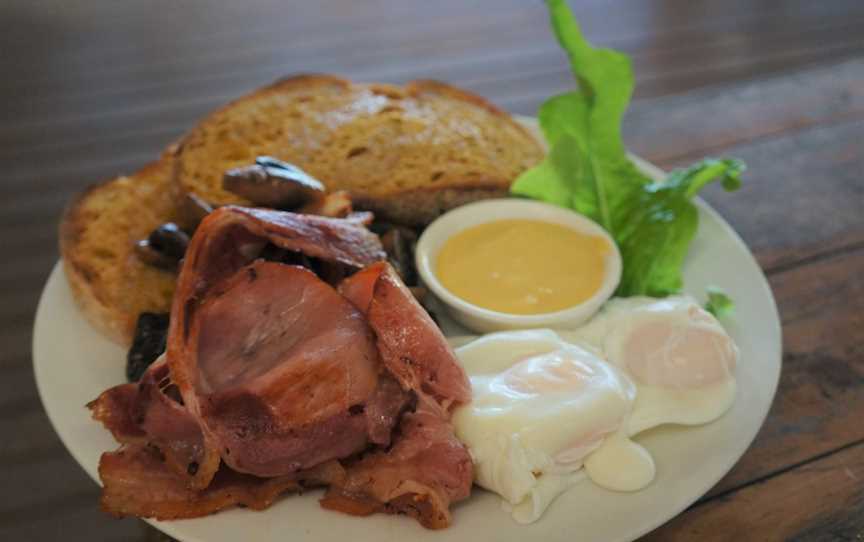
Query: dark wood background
[93, 89]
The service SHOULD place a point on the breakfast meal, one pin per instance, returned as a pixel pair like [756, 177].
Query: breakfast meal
[282, 277]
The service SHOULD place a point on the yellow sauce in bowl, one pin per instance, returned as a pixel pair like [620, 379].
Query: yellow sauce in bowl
[521, 266]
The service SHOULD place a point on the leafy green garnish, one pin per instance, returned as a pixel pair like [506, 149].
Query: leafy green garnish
[719, 304]
[588, 169]
[657, 223]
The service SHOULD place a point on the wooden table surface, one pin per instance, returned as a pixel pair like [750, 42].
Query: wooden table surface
[93, 89]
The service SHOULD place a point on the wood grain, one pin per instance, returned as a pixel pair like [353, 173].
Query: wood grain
[712, 120]
[821, 500]
[821, 394]
[506, 66]
[95, 89]
[803, 194]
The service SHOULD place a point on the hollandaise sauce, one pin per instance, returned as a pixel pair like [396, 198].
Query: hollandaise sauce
[521, 266]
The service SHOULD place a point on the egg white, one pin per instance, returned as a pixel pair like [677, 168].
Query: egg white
[678, 356]
[546, 405]
[540, 406]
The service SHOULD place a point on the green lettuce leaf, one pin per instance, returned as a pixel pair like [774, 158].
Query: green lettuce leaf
[719, 304]
[658, 223]
[588, 169]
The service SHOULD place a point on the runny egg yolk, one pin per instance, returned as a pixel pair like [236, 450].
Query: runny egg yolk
[519, 266]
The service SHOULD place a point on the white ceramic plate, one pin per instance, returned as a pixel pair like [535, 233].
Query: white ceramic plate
[73, 364]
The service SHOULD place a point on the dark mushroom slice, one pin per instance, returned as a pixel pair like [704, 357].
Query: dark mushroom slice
[193, 210]
[398, 243]
[164, 247]
[151, 256]
[273, 183]
[170, 240]
[151, 332]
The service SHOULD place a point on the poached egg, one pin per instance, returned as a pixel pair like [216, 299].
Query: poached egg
[549, 409]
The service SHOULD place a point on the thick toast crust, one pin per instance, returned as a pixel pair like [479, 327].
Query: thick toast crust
[191, 173]
[111, 301]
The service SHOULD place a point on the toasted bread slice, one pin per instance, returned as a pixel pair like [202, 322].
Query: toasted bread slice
[405, 153]
[99, 229]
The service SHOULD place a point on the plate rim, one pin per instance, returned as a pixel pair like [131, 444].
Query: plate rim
[650, 169]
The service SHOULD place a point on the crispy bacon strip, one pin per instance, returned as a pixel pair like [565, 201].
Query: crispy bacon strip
[145, 413]
[139, 483]
[411, 345]
[230, 237]
[214, 302]
[274, 374]
[168, 424]
[425, 471]
[427, 468]
[114, 409]
[286, 369]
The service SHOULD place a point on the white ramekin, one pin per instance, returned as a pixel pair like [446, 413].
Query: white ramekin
[484, 320]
